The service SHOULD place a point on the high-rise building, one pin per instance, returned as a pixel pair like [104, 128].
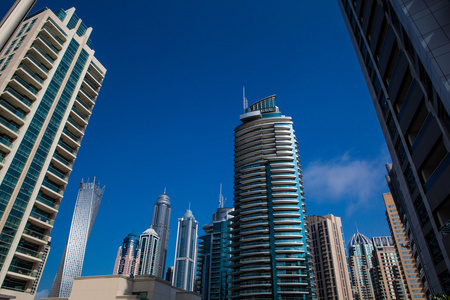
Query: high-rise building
[413, 284]
[185, 252]
[330, 262]
[161, 224]
[88, 201]
[49, 82]
[387, 278]
[403, 48]
[213, 257]
[128, 255]
[169, 274]
[149, 248]
[360, 262]
[270, 251]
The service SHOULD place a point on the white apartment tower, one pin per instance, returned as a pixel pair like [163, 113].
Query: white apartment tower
[149, 251]
[49, 82]
[88, 201]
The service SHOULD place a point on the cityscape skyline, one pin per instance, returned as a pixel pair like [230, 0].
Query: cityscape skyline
[341, 156]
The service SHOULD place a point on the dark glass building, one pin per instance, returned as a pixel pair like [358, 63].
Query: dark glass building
[403, 48]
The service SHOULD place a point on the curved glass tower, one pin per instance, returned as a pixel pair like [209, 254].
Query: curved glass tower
[161, 223]
[270, 251]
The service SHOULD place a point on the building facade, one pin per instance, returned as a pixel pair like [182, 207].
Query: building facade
[270, 251]
[330, 261]
[161, 224]
[360, 262]
[49, 82]
[185, 252]
[403, 48]
[149, 249]
[387, 278]
[408, 267]
[88, 201]
[214, 257]
[128, 255]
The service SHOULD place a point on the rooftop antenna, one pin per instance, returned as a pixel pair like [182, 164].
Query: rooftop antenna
[189, 205]
[164, 190]
[244, 99]
[356, 225]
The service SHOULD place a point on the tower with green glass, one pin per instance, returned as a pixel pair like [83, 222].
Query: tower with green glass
[270, 253]
[49, 83]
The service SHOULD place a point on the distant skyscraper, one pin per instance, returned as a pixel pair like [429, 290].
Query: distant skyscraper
[330, 262]
[186, 252]
[403, 48]
[214, 256]
[49, 82]
[403, 250]
[88, 201]
[149, 248]
[270, 250]
[161, 224]
[127, 261]
[387, 279]
[360, 261]
[169, 274]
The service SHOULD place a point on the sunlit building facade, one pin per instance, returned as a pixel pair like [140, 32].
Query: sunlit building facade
[185, 253]
[128, 255]
[88, 202]
[214, 257]
[161, 225]
[149, 251]
[330, 261]
[403, 48]
[360, 262]
[49, 83]
[270, 251]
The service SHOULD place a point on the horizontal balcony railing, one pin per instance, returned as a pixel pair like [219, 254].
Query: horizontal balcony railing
[41, 38]
[40, 66]
[67, 147]
[71, 135]
[45, 55]
[53, 187]
[41, 217]
[5, 141]
[80, 114]
[57, 173]
[13, 109]
[35, 234]
[29, 252]
[9, 124]
[25, 84]
[47, 202]
[24, 99]
[23, 271]
[95, 77]
[92, 86]
[75, 124]
[59, 28]
[87, 95]
[31, 73]
[84, 104]
[63, 160]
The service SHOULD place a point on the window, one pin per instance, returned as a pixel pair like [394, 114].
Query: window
[22, 29]
[19, 43]
[31, 25]
[10, 47]
[7, 62]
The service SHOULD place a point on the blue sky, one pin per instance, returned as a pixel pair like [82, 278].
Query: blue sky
[173, 95]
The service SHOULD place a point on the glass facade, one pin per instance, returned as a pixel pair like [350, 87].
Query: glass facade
[270, 254]
[161, 224]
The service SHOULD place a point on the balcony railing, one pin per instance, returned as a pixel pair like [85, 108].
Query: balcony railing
[47, 202]
[31, 73]
[25, 84]
[75, 124]
[71, 135]
[9, 124]
[42, 218]
[23, 271]
[35, 234]
[79, 114]
[58, 173]
[12, 109]
[65, 146]
[41, 38]
[55, 188]
[29, 252]
[59, 28]
[87, 95]
[84, 104]
[5, 142]
[51, 60]
[41, 66]
[93, 75]
[91, 85]
[18, 96]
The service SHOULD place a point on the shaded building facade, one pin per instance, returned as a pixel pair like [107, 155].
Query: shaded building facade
[403, 48]
[270, 257]
[128, 255]
[49, 83]
[330, 262]
[88, 201]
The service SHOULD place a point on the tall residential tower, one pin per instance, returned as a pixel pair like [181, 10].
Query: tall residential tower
[403, 48]
[127, 260]
[270, 251]
[49, 82]
[149, 251]
[161, 224]
[88, 201]
[186, 252]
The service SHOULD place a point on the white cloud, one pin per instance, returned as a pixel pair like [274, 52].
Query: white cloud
[41, 294]
[352, 181]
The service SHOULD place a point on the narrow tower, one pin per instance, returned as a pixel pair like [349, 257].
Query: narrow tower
[149, 248]
[160, 224]
[270, 251]
[186, 252]
[127, 261]
[88, 201]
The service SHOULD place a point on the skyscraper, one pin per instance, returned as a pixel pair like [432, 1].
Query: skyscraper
[49, 82]
[149, 248]
[270, 251]
[214, 256]
[413, 284]
[88, 201]
[161, 224]
[360, 262]
[185, 252]
[330, 262]
[128, 255]
[387, 278]
[403, 50]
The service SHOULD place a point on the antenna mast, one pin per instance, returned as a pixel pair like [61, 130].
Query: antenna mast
[244, 99]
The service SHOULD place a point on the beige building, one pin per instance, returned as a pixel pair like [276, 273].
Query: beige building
[120, 287]
[330, 263]
[49, 83]
[407, 264]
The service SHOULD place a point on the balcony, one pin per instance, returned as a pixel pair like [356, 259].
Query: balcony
[41, 220]
[30, 77]
[5, 145]
[96, 70]
[17, 99]
[76, 126]
[35, 66]
[23, 87]
[58, 36]
[42, 57]
[90, 88]
[57, 176]
[63, 160]
[28, 254]
[77, 115]
[35, 237]
[21, 273]
[50, 49]
[46, 205]
[85, 96]
[8, 127]
[66, 150]
[52, 189]
[11, 112]
[90, 75]
[73, 137]
[83, 107]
